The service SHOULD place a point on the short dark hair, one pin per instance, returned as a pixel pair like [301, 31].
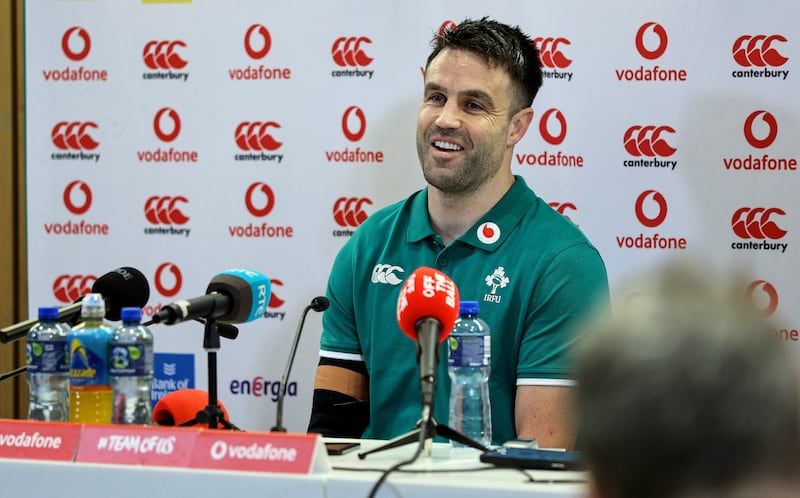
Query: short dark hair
[500, 45]
[686, 389]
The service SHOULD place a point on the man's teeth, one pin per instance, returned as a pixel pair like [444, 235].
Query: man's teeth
[447, 145]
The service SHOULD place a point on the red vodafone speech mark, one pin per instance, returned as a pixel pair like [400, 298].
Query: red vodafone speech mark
[84, 36]
[250, 201]
[266, 41]
[662, 208]
[772, 133]
[662, 40]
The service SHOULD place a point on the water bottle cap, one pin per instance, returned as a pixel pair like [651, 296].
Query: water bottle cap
[48, 312]
[468, 308]
[131, 314]
[93, 306]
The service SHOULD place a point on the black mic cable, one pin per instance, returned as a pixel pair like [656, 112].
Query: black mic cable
[318, 304]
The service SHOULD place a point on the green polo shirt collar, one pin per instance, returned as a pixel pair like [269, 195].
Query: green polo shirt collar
[491, 231]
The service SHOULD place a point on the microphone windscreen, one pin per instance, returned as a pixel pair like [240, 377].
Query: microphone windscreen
[181, 406]
[121, 288]
[427, 293]
[249, 292]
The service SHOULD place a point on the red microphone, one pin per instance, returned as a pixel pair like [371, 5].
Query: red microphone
[427, 308]
[181, 408]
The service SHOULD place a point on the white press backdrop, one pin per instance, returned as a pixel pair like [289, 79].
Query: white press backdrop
[186, 138]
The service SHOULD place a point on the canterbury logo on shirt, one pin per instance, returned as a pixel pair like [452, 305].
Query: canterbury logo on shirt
[386, 274]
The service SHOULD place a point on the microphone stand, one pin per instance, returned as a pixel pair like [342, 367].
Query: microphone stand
[427, 427]
[319, 303]
[212, 414]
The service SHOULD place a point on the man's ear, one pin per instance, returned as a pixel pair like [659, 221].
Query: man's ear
[519, 125]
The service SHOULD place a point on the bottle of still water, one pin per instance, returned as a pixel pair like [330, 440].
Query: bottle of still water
[130, 356]
[469, 364]
[89, 387]
[48, 367]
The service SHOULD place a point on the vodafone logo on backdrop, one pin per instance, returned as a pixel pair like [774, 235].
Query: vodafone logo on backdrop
[69, 288]
[553, 131]
[553, 58]
[259, 201]
[650, 209]
[164, 58]
[354, 127]
[167, 126]
[760, 51]
[765, 299]
[76, 45]
[349, 213]
[258, 140]
[649, 141]
[257, 45]
[763, 296]
[349, 53]
[750, 132]
[166, 215]
[758, 223]
[760, 130]
[650, 41]
[77, 198]
[75, 140]
[167, 281]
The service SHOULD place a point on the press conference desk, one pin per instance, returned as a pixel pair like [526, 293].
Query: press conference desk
[440, 474]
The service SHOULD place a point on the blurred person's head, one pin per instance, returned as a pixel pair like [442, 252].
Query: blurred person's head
[686, 389]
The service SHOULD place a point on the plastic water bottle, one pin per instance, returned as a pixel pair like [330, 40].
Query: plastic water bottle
[469, 364]
[89, 387]
[130, 357]
[47, 367]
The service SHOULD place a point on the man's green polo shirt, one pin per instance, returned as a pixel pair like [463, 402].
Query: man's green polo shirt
[534, 273]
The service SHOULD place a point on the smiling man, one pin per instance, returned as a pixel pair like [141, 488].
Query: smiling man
[536, 275]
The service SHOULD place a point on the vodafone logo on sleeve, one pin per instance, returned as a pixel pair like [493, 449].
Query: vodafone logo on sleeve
[758, 223]
[649, 141]
[259, 201]
[258, 141]
[76, 45]
[167, 127]
[349, 213]
[166, 215]
[354, 127]
[651, 41]
[760, 131]
[553, 58]
[650, 209]
[759, 53]
[257, 44]
[349, 53]
[77, 199]
[75, 141]
[69, 288]
[553, 131]
[163, 59]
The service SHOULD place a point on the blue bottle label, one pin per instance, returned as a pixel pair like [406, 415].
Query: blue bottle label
[47, 357]
[127, 360]
[469, 351]
[87, 358]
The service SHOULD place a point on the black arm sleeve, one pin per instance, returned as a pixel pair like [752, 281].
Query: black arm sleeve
[335, 414]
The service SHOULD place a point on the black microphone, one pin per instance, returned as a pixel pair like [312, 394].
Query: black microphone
[120, 288]
[318, 304]
[233, 296]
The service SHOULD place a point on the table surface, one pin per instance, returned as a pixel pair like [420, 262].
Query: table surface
[439, 472]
